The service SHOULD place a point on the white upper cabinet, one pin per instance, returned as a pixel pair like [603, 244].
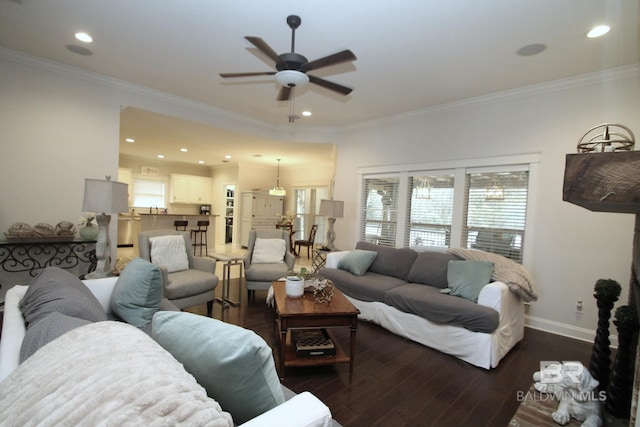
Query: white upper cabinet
[190, 189]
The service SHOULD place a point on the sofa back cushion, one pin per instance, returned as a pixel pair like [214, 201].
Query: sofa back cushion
[394, 262]
[57, 290]
[430, 268]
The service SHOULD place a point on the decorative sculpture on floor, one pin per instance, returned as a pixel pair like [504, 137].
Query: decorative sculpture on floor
[606, 292]
[576, 390]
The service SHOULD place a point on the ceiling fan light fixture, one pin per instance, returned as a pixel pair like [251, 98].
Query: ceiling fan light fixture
[291, 78]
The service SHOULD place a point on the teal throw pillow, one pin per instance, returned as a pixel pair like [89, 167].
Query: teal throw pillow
[357, 262]
[467, 278]
[137, 293]
[234, 365]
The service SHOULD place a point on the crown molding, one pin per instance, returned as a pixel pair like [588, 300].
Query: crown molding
[582, 80]
[224, 118]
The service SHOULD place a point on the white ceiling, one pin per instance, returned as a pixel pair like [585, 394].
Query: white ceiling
[412, 54]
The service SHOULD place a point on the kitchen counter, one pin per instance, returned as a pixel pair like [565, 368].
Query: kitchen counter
[165, 222]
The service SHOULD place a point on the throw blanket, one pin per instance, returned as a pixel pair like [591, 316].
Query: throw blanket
[515, 276]
[106, 374]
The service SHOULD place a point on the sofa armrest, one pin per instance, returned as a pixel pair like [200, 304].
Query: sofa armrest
[204, 264]
[498, 296]
[333, 258]
[13, 331]
[301, 410]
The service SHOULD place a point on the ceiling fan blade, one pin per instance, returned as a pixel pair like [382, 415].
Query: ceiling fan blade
[259, 73]
[336, 58]
[263, 47]
[284, 94]
[330, 85]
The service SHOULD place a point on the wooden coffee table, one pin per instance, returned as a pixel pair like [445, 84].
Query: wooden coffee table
[305, 313]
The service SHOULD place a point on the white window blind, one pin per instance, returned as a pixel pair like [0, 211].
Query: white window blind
[148, 193]
[380, 213]
[495, 212]
[430, 211]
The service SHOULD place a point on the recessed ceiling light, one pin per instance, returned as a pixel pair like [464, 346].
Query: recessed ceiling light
[598, 31]
[531, 49]
[257, 155]
[227, 156]
[130, 140]
[84, 37]
[161, 156]
[306, 113]
[184, 150]
[201, 162]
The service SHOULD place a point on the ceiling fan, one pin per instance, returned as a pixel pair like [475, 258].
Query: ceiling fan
[292, 67]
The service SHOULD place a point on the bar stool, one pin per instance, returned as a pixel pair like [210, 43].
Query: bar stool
[180, 225]
[201, 231]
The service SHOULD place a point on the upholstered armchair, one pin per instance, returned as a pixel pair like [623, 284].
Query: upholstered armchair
[188, 280]
[267, 261]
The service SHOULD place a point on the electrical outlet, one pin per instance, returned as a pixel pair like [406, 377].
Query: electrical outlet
[579, 306]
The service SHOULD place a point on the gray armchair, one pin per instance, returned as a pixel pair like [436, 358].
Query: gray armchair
[260, 276]
[188, 287]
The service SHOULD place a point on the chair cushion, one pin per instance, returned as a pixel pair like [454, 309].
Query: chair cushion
[266, 272]
[57, 290]
[268, 251]
[188, 283]
[169, 251]
[137, 293]
[234, 365]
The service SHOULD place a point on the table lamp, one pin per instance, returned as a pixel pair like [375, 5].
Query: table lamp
[331, 209]
[104, 198]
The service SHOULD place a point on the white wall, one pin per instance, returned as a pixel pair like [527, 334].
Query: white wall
[572, 247]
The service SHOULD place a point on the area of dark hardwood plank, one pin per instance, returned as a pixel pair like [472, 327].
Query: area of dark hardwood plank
[401, 383]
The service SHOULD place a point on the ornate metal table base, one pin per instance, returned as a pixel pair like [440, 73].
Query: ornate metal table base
[31, 257]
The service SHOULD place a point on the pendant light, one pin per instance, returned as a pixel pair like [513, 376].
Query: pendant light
[277, 190]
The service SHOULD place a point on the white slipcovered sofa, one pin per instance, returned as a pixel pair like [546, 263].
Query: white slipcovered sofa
[393, 289]
[125, 377]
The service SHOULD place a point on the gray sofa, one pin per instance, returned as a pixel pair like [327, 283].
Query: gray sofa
[401, 291]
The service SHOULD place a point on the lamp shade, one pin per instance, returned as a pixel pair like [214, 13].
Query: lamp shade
[331, 208]
[104, 196]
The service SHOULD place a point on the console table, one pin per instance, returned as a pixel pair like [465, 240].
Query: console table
[22, 260]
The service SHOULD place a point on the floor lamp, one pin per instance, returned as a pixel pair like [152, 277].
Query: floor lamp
[331, 209]
[104, 198]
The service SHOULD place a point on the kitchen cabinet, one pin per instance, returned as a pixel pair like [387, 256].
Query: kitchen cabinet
[258, 210]
[189, 189]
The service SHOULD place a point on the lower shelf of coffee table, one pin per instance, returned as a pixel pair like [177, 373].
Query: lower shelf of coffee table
[292, 359]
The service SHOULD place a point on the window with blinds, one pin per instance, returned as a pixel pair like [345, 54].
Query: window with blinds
[495, 212]
[147, 193]
[380, 210]
[430, 211]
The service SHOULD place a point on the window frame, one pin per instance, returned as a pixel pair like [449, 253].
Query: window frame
[460, 169]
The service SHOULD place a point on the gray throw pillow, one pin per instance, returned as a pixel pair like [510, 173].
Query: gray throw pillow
[467, 278]
[137, 293]
[235, 365]
[46, 330]
[357, 262]
[57, 290]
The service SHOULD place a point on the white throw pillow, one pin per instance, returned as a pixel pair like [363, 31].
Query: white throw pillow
[268, 251]
[170, 252]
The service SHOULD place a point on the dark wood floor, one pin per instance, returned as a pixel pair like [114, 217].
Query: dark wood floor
[397, 382]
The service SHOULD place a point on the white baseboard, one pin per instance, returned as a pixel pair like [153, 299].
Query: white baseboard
[563, 329]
